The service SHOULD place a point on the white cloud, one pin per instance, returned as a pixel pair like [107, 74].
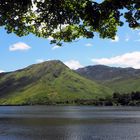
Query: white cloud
[125, 60]
[88, 45]
[55, 47]
[116, 39]
[20, 46]
[73, 64]
[2, 71]
[40, 60]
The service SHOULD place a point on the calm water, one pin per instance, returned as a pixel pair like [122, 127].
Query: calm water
[69, 123]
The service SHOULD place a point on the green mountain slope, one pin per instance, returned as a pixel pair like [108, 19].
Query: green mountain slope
[46, 83]
[123, 80]
[125, 85]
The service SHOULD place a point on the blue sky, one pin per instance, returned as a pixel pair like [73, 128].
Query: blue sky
[19, 52]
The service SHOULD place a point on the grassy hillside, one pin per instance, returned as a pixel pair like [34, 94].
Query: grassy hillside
[123, 80]
[125, 85]
[47, 83]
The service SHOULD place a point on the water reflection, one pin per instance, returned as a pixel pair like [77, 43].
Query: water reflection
[69, 123]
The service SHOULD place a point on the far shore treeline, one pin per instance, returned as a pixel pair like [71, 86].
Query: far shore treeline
[117, 99]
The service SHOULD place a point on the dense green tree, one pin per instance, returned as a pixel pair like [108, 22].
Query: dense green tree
[135, 95]
[67, 20]
[132, 98]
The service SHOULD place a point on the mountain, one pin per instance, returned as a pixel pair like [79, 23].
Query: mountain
[116, 78]
[46, 83]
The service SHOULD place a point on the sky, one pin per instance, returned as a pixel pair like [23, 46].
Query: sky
[20, 52]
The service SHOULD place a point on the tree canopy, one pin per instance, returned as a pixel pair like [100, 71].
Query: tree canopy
[67, 20]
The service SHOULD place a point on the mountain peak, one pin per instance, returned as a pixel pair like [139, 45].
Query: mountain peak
[48, 82]
[103, 72]
[49, 62]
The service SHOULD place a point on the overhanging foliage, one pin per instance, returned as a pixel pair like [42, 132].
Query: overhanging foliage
[67, 20]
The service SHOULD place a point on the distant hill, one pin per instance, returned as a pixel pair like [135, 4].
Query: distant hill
[116, 78]
[46, 83]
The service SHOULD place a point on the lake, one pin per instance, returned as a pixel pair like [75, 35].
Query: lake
[69, 123]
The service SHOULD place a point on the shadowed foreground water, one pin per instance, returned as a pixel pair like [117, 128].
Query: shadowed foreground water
[69, 123]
